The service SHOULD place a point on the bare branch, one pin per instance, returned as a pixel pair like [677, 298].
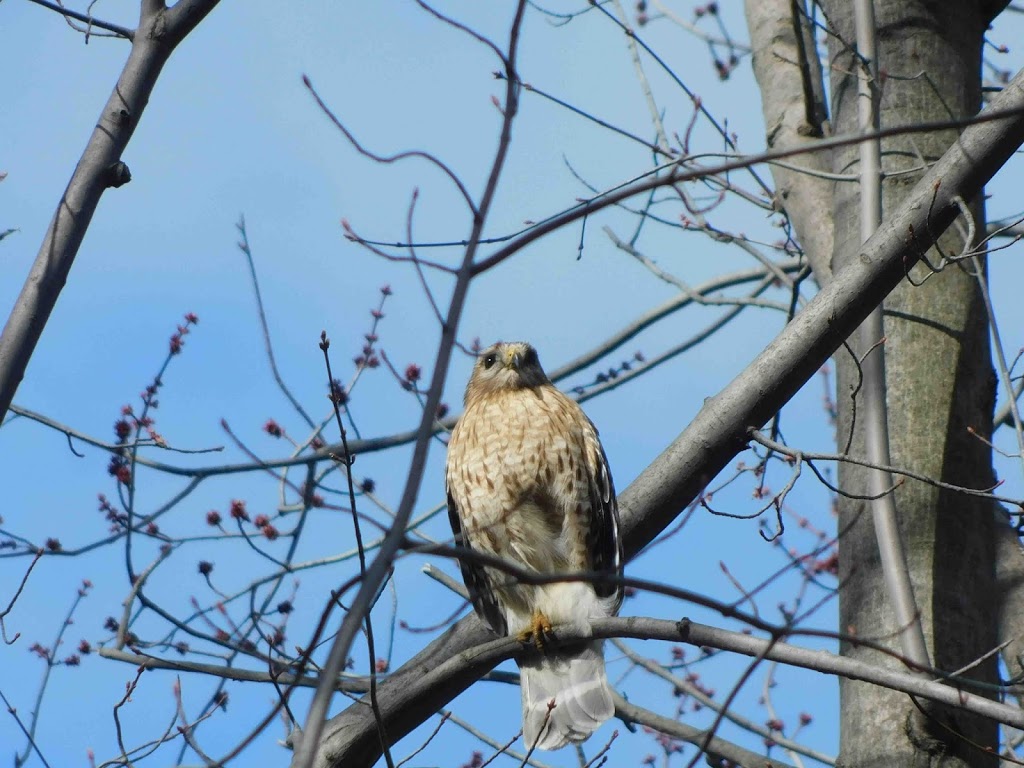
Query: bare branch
[713, 746]
[67, 13]
[160, 30]
[651, 180]
[243, 246]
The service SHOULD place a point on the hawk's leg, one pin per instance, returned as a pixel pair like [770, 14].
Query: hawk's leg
[538, 629]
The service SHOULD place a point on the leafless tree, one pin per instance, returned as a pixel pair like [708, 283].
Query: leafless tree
[877, 188]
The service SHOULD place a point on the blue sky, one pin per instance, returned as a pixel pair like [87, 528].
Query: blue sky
[232, 131]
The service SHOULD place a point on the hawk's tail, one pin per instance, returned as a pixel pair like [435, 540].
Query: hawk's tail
[579, 688]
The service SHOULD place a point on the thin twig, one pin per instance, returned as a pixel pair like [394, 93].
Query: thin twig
[244, 247]
[348, 458]
[67, 13]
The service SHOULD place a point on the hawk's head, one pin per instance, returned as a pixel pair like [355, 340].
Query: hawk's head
[504, 366]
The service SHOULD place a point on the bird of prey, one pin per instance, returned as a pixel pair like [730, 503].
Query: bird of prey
[528, 482]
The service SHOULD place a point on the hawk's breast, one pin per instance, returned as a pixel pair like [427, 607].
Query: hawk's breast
[518, 472]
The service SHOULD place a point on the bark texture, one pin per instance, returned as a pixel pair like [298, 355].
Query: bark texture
[939, 383]
[793, 102]
[1010, 593]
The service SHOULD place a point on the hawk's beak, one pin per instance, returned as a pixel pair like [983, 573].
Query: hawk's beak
[513, 359]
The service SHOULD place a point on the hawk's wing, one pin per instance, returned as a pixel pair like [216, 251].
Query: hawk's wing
[475, 576]
[603, 541]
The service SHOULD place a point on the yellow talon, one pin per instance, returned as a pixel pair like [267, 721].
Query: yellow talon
[540, 626]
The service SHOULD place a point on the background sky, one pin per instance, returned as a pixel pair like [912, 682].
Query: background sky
[231, 131]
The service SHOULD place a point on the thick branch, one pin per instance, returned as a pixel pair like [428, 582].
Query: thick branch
[160, 30]
[718, 433]
[491, 651]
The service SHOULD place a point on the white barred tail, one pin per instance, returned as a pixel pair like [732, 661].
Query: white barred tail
[578, 686]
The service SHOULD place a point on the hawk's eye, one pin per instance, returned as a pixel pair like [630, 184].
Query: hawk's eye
[530, 358]
[490, 360]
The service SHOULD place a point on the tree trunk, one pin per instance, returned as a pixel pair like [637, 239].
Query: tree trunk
[939, 383]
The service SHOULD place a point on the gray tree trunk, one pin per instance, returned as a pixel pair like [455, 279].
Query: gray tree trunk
[939, 383]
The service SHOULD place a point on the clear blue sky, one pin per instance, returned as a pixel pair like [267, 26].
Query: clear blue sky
[232, 131]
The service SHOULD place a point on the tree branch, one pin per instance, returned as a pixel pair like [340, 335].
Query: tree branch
[67, 13]
[715, 747]
[160, 30]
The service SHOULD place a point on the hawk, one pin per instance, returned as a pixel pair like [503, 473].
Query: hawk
[528, 482]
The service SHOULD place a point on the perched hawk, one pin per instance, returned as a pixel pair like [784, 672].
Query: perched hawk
[528, 482]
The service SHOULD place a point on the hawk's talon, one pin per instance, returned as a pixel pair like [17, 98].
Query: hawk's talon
[538, 629]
